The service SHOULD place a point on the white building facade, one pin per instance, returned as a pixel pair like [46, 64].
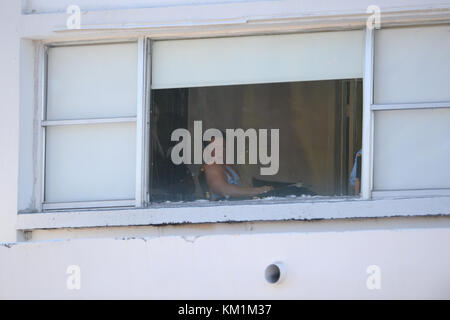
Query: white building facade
[109, 240]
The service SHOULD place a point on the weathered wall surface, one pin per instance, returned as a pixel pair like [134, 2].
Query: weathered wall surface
[413, 263]
[9, 118]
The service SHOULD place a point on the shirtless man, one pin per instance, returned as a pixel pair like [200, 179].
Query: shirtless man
[224, 181]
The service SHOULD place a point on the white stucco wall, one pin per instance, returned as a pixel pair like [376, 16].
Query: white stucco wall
[228, 262]
[330, 265]
[9, 119]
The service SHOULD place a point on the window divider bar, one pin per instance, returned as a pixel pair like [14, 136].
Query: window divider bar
[48, 123]
[384, 194]
[88, 204]
[367, 126]
[147, 120]
[140, 124]
[402, 106]
[39, 169]
[73, 43]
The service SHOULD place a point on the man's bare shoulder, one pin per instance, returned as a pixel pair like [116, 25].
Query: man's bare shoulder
[214, 170]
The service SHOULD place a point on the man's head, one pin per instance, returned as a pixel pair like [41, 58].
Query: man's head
[214, 146]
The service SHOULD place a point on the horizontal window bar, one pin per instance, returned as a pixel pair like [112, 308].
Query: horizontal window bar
[409, 193]
[52, 44]
[399, 106]
[89, 204]
[47, 123]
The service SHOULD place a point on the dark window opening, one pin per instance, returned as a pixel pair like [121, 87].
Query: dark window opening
[319, 126]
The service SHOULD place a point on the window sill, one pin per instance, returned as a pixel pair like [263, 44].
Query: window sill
[239, 211]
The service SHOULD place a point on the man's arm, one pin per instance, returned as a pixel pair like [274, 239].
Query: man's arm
[217, 182]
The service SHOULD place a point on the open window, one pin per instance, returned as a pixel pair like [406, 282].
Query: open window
[307, 86]
[319, 126]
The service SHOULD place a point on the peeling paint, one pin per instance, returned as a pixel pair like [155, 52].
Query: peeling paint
[190, 239]
[8, 245]
[132, 238]
[298, 211]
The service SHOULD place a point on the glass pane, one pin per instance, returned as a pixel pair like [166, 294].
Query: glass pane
[257, 59]
[412, 149]
[90, 162]
[92, 81]
[412, 65]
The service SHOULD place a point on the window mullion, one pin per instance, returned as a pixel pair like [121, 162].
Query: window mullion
[146, 120]
[367, 128]
[40, 131]
[140, 125]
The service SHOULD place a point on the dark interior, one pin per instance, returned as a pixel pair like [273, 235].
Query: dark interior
[319, 123]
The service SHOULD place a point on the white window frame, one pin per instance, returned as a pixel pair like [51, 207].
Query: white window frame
[141, 118]
[368, 204]
[400, 193]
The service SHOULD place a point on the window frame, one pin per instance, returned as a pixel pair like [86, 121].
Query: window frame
[149, 213]
[376, 107]
[142, 114]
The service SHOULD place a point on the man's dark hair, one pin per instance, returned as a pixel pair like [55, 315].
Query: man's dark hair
[206, 143]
